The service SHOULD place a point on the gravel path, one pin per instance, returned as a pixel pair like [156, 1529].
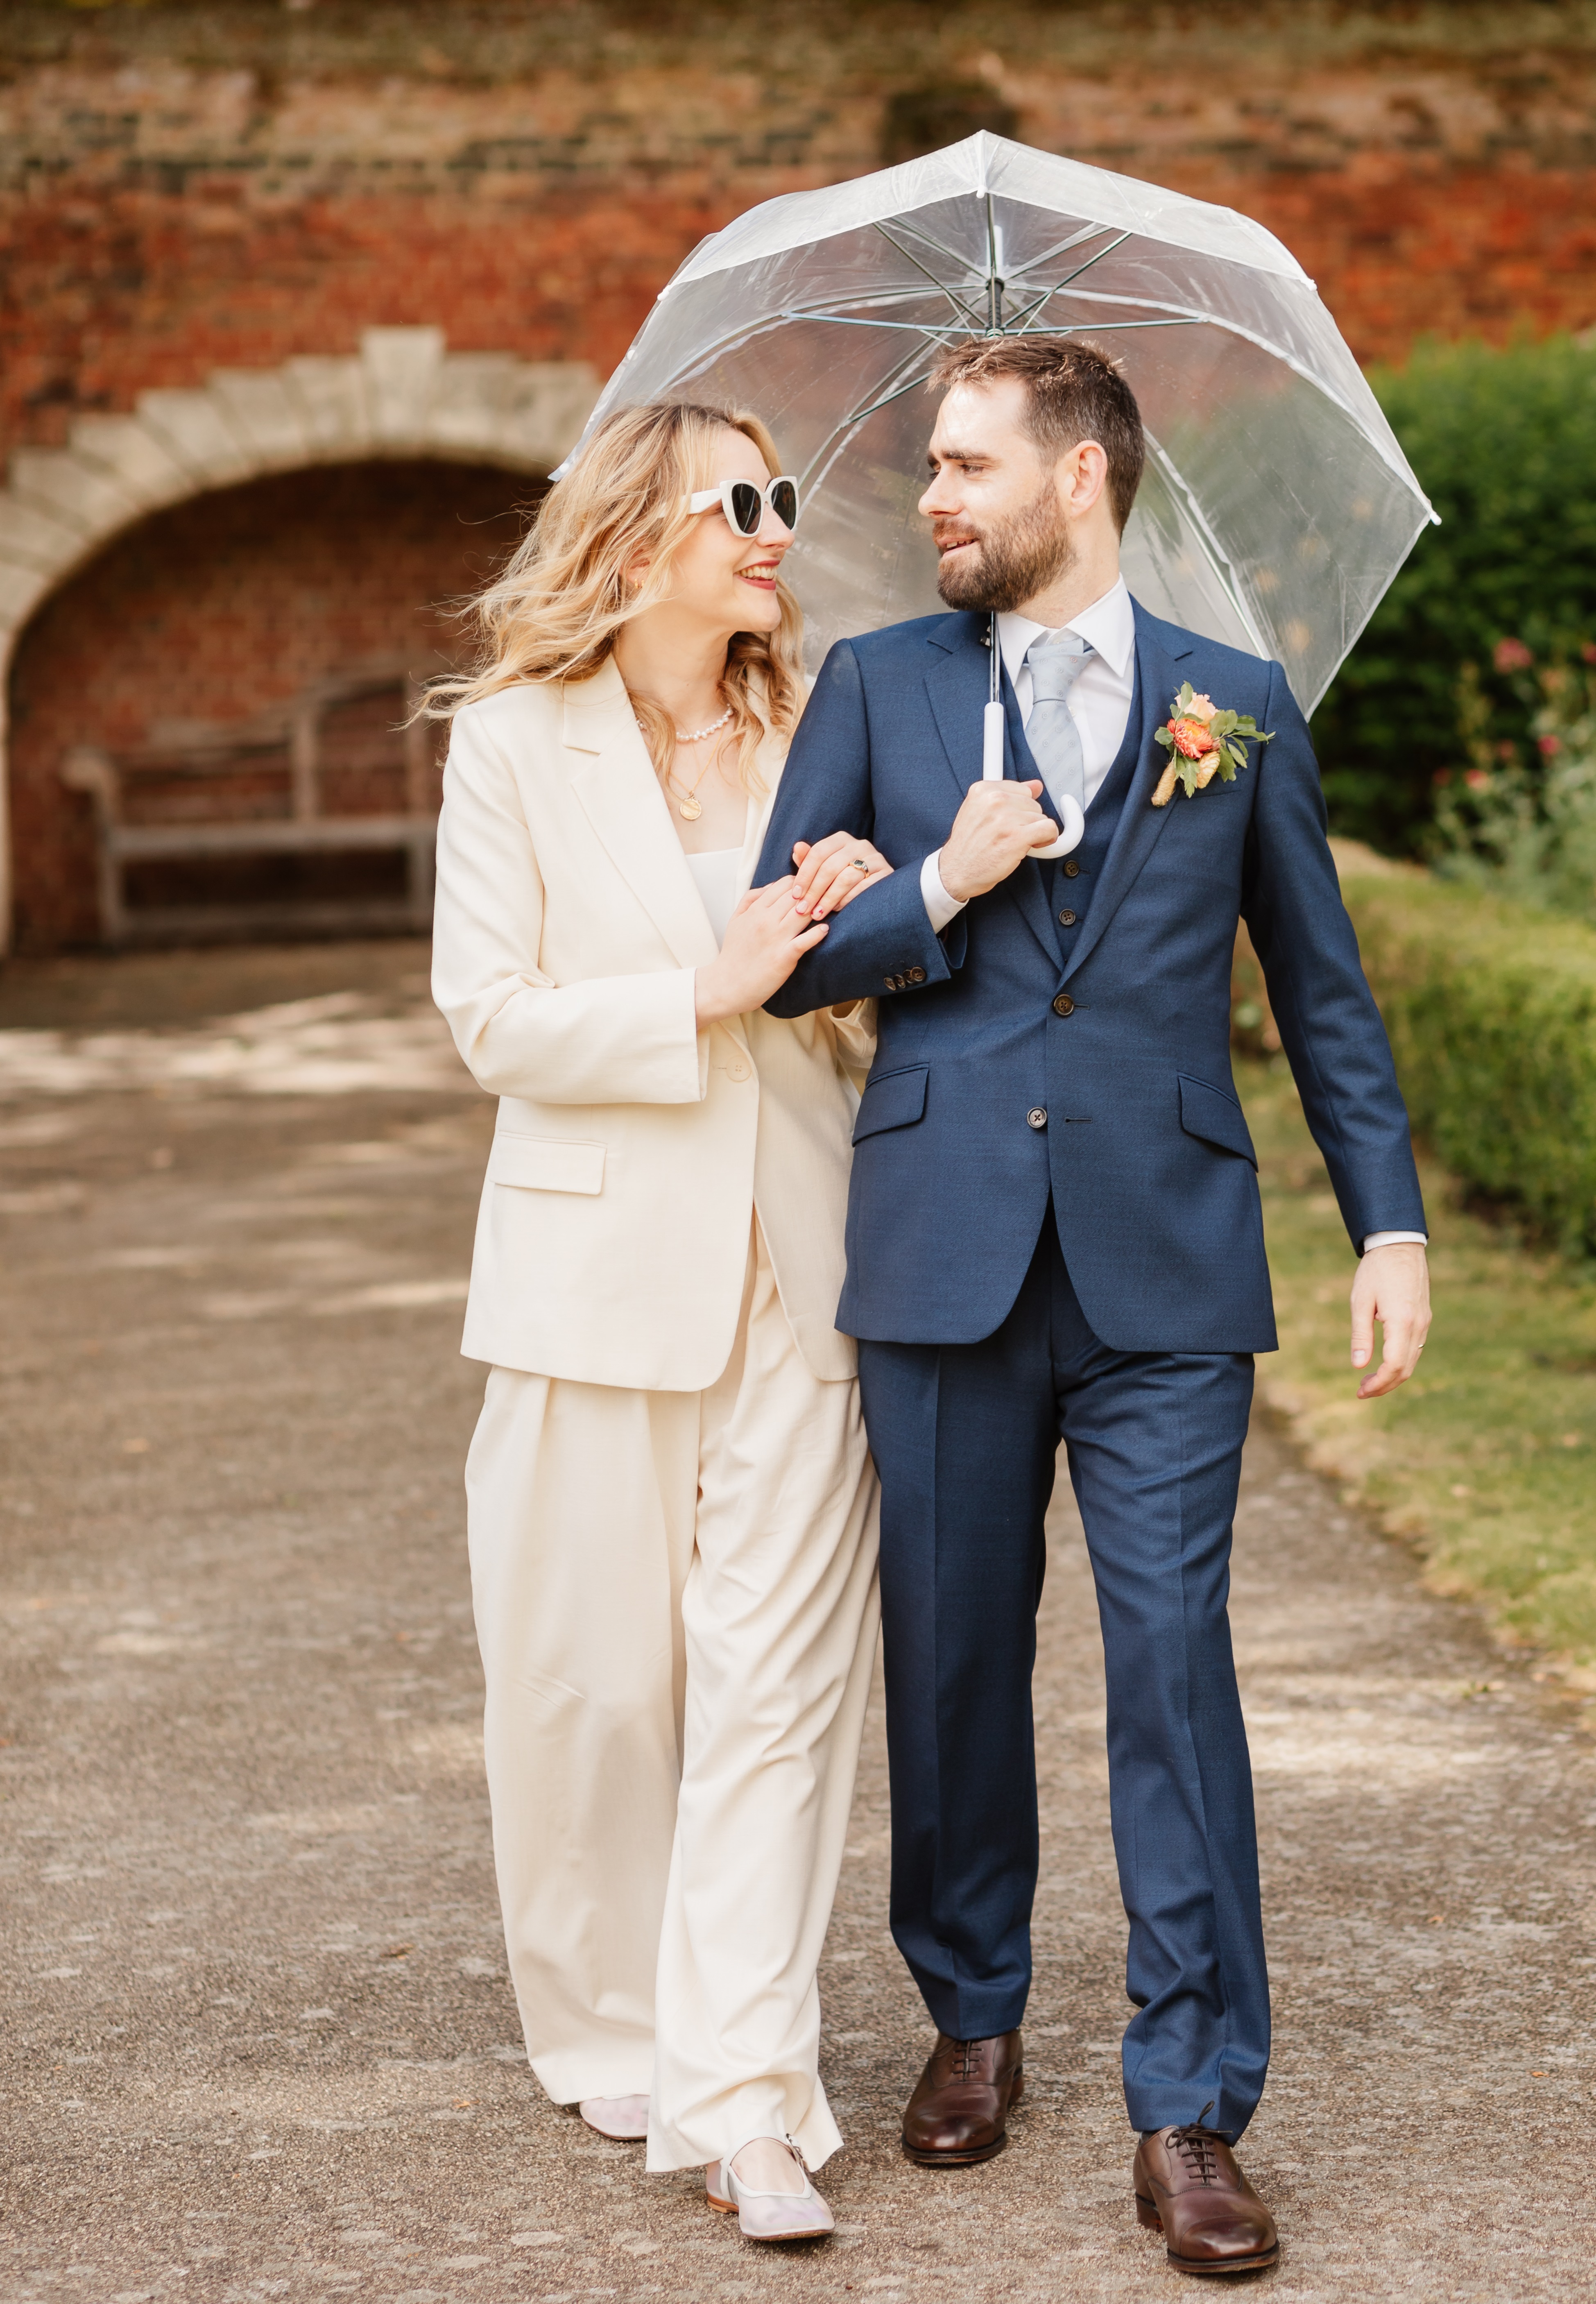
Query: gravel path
[261, 2042]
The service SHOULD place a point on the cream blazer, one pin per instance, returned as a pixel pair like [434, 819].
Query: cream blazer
[631, 1148]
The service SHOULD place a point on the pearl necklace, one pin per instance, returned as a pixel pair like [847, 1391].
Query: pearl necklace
[697, 735]
[689, 805]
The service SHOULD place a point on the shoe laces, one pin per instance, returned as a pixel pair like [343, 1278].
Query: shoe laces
[962, 2062]
[1197, 2144]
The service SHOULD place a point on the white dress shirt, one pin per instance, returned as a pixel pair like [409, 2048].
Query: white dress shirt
[1099, 704]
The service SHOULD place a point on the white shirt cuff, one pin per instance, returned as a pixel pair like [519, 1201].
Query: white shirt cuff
[940, 906]
[1391, 1239]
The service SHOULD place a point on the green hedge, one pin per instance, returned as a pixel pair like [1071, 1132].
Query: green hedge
[1491, 1011]
[1504, 443]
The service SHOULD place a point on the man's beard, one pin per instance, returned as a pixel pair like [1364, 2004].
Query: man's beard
[1018, 559]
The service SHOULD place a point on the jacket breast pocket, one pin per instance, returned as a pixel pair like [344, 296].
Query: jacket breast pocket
[546, 1163]
[1217, 1118]
[891, 1100]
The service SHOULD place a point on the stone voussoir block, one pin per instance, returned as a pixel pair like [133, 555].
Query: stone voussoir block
[332, 394]
[401, 368]
[82, 494]
[265, 412]
[138, 458]
[36, 537]
[196, 427]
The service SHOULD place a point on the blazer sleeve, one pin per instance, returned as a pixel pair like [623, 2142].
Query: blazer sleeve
[604, 1039]
[883, 942]
[1330, 1026]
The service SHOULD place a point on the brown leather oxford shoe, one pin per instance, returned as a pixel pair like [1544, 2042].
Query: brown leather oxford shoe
[958, 2112]
[1189, 2187]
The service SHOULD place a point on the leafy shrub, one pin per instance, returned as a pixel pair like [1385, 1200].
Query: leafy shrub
[1492, 1017]
[1504, 443]
[1521, 819]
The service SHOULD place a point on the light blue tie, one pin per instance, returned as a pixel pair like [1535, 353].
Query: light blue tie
[1057, 661]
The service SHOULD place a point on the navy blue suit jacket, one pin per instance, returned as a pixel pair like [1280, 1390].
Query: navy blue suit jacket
[1144, 1148]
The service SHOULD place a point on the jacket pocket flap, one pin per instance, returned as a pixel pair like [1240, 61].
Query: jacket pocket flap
[891, 1100]
[546, 1163]
[1214, 1116]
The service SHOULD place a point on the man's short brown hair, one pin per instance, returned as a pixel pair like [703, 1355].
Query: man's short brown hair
[1074, 392]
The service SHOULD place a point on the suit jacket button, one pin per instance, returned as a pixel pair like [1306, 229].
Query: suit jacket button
[1071, 868]
[1036, 1117]
[916, 976]
[1065, 920]
[892, 984]
[1063, 1005]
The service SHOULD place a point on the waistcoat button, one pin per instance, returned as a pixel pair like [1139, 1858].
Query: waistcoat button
[1071, 868]
[1065, 920]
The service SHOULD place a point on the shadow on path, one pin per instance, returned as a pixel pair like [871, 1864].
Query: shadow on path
[262, 2043]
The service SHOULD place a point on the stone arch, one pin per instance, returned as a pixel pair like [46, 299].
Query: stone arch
[404, 394]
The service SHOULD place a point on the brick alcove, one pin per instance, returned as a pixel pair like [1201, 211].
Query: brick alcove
[217, 610]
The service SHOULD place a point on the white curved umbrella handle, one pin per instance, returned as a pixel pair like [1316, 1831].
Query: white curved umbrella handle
[1072, 823]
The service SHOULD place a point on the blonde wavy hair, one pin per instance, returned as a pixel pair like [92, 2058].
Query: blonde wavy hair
[556, 610]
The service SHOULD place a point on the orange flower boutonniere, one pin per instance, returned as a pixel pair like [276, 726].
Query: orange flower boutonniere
[1202, 743]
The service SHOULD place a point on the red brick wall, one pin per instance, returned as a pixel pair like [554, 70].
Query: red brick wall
[219, 608]
[232, 184]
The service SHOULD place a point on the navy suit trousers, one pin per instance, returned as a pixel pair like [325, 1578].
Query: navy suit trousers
[966, 1437]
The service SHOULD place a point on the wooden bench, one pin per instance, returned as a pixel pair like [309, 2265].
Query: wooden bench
[258, 788]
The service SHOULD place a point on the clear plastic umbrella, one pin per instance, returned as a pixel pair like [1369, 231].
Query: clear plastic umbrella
[1277, 505]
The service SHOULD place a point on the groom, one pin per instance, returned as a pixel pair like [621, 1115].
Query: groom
[1054, 1231]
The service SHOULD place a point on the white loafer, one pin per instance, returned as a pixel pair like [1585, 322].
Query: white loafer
[624, 2117]
[768, 2215]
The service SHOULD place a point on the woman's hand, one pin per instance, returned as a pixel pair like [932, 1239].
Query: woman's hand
[828, 873]
[766, 937]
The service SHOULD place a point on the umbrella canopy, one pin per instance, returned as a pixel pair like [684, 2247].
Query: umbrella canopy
[1277, 505]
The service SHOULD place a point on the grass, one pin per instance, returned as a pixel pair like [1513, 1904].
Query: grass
[1486, 1459]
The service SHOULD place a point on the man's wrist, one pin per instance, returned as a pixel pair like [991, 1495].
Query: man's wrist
[941, 908]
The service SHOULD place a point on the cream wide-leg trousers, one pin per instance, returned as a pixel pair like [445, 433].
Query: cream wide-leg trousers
[675, 1598]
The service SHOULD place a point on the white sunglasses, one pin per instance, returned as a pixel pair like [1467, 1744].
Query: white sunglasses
[744, 504]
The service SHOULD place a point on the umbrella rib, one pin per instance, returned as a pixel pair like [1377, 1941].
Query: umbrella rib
[907, 327]
[1279, 351]
[851, 422]
[1218, 560]
[1105, 327]
[940, 287]
[1059, 286]
[1088, 232]
[913, 231]
[747, 330]
[1091, 261]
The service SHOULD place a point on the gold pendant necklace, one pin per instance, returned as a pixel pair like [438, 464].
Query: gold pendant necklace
[689, 805]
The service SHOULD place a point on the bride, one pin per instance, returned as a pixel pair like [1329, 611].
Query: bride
[672, 1509]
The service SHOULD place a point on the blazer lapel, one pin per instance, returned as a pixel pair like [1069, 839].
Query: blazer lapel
[958, 688]
[1140, 823]
[619, 791]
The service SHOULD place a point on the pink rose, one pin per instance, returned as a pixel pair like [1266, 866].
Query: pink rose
[1511, 656]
